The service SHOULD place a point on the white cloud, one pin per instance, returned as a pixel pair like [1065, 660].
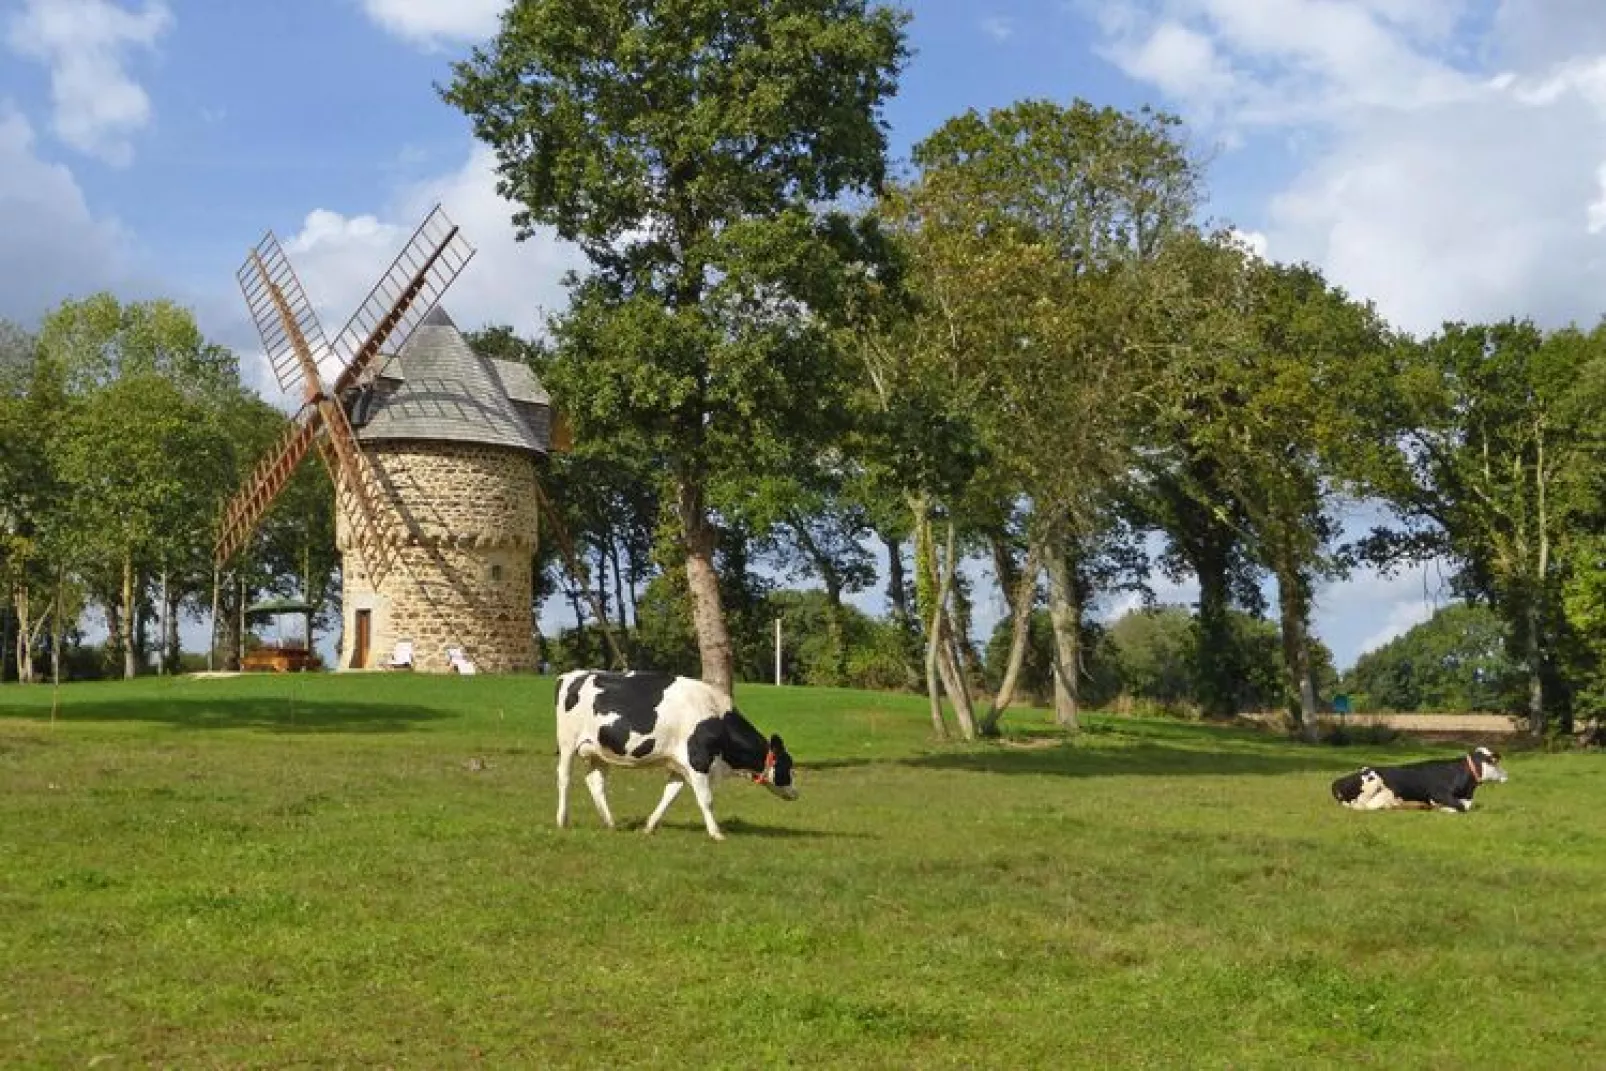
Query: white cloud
[1449, 166]
[1369, 609]
[1255, 242]
[998, 27]
[339, 258]
[97, 106]
[432, 22]
[53, 245]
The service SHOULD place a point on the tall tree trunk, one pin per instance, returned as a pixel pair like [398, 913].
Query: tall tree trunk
[708, 615]
[1065, 612]
[949, 664]
[239, 625]
[964, 648]
[897, 597]
[211, 649]
[6, 663]
[940, 663]
[161, 626]
[130, 612]
[930, 593]
[1023, 595]
[1293, 606]
[601, 593]
[1216, 655]
[1535, 659]
[836, 632]
[582, 640]
[24, 651]
[306, 595]
[175, 599]
[58, 627]
[1536, 608]
[625, 609]
[633, 569]
[939, 724]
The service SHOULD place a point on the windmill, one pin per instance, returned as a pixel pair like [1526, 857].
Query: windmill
[297, 350]
[433, 451]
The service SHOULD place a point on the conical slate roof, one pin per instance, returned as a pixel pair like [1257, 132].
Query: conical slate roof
[438, 388]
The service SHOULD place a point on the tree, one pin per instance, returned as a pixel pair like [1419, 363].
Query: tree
[1251, 417]
[26, 491]
[1032, 229]
[685, 149]
[124, 453]
[137, 390]
[1499, 469]
[1454, 661]
[821, 533]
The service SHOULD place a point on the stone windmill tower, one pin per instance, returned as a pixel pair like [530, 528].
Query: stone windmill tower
[432, 450]
[454, 439]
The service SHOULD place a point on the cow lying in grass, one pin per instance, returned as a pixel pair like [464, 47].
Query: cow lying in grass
[653, 719]
[1442, 784]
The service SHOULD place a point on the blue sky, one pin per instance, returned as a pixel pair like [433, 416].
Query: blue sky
[1443, 158]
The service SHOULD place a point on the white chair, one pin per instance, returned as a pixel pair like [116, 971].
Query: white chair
[402, 657]
[459, 661]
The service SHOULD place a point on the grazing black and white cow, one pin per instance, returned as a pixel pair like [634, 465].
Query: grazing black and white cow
[1443, 784]
[647, 719]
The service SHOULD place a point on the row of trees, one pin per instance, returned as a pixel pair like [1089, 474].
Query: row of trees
[121, 431]
[1029, 346]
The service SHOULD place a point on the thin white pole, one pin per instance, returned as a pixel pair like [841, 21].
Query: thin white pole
[777, 650]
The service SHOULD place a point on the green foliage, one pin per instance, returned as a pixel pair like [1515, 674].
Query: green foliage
[1455, 661]
[1150, 656]
[687, 150]
[872, 653]
[1499, 467]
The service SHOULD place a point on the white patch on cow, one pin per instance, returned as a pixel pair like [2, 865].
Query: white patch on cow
[1374, 794]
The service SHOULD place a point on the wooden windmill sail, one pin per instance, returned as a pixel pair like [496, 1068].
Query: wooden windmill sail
[298, 350]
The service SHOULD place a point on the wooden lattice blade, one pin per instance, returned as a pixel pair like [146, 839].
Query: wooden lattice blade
[414, 284]
[290, 330]
[359, 492]
[246, 509]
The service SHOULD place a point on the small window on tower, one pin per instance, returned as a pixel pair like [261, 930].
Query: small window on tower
[496, 573]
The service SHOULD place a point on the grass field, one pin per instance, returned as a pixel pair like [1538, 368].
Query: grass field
[284, 872]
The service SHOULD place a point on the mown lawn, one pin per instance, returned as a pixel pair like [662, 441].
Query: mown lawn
[284, 872]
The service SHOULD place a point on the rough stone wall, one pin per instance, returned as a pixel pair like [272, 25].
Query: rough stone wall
[462, 578]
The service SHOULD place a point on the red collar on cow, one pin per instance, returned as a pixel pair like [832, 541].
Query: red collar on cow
[1473, 767]
[769, 764]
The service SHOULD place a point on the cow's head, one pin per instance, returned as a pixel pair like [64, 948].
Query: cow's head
[1486, 765]
[777, 775]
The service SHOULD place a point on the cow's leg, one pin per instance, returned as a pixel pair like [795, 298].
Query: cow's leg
[1448, 803]
[671, 790]
[1381, 800]
[565, 764]
[597, 782]
[703, 789]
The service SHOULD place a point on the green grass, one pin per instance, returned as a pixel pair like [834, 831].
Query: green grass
[288, 872]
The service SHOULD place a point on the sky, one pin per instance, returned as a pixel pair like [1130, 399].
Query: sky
[1444, 159]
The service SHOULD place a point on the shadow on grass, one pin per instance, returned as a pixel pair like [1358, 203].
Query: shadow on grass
[738, 827]
[264, 713]
[1119, 748]
[1137, 760]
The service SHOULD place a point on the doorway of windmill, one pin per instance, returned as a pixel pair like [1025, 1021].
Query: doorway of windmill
[359, 650]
